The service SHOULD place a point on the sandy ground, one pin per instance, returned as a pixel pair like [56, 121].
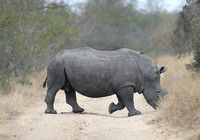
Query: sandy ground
[33, 124]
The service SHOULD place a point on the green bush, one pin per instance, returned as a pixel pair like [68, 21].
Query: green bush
[31, 32]
[195, 64]
[186, 36]
[24, 81]
[5, 84]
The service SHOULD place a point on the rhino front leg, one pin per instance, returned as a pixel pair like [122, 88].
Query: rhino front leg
[119, 106]
[71, 100]
[126, 95]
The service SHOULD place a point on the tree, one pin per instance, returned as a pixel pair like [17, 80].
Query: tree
[31, 32]
[187, 33]
[114, 24]
[111, 25]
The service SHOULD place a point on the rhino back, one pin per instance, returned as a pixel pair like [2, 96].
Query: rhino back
[99, 73]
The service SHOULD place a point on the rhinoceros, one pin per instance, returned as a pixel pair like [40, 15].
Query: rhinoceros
[94, 74]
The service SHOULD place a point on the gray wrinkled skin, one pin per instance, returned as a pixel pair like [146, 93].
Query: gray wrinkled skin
[103, 73]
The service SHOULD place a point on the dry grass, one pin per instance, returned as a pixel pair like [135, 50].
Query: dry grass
[21, 97]
[180, 110]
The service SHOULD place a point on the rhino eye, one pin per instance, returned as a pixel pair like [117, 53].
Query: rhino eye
[157, 72]
[156, 77]
[158, 92]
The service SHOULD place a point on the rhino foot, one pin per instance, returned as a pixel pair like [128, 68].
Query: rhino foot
[111, 108]
[79, 110]
[50, 111]
[135, 112]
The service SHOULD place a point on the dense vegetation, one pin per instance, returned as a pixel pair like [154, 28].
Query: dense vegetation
[110, 25]
[32, 31]
[187, 33]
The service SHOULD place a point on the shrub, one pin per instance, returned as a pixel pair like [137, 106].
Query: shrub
[186, 36]
[31, 32]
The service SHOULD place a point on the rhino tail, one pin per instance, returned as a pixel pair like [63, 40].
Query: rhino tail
[44, 83]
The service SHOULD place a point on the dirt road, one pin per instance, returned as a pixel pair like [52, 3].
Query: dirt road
[33, 124]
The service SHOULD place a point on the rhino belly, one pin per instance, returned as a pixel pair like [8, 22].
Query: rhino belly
[92, 84]
[92, 74]
[93, 92]
[91, 89]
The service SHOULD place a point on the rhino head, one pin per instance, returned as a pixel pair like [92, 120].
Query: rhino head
[153, 91]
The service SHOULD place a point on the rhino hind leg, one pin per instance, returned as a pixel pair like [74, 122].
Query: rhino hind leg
[49, 99]
[126, 95]
[53, 88]
[114, 107]
[55, 81]
[71, 100]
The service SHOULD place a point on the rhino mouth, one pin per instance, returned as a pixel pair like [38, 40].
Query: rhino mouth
[153, 103]
[155, 106]
[154, 99]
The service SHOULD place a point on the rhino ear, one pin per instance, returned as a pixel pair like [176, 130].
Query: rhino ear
[163, 69]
